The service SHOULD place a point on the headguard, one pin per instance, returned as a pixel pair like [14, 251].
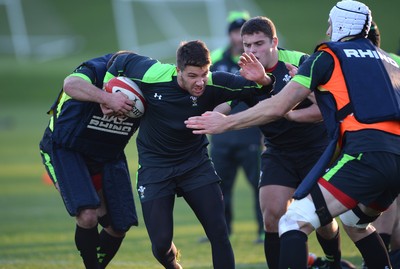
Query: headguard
[349, 18]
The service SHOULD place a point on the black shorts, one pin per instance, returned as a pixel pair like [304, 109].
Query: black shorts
[157, 182]
[370, 178]
[287, 168]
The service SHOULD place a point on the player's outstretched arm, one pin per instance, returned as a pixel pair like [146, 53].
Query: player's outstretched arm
[265, 111]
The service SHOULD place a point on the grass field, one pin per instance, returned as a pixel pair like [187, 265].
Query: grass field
[36, 232]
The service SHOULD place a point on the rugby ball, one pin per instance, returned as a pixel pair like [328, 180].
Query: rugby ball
[130, 89]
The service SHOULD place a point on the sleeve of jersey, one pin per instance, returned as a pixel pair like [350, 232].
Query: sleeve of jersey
[133, 66]
[85, 73]
[315, 70]
[230, 87]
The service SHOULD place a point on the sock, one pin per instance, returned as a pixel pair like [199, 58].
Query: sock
[386, 240]
[109, 246]
[373, 251]
[331, 248]
[87, 241]
[271, 249]
[294, 250]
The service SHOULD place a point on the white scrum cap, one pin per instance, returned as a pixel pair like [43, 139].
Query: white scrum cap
[349, 18]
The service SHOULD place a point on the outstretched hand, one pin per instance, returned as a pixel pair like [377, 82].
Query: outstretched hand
[252, 69]
[208, 123]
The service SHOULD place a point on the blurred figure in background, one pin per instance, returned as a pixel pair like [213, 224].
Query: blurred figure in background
[226, 58]
[233, 150]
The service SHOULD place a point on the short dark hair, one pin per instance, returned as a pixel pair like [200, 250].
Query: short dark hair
[374, 35]
[259, 24]
[193, 53]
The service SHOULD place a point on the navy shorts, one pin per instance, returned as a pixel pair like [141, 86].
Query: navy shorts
[157, 182]
[75, 174]
[370, 178]
[287, 168]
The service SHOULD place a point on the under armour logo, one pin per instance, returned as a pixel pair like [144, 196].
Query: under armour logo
[159, 96]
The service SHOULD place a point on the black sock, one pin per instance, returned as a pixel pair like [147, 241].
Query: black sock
[294, 250]
[373, 251]
[271, 249]
[386, 240]
[331, 248]
[87, 241]
[109, 246]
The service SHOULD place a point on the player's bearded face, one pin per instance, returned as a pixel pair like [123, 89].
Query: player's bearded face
[193, 79]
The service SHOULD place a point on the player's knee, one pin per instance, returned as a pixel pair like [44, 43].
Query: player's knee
[300, 214]
[105, 222]
[87, 218]
[271, 223]
[356, 218]
[271, 218]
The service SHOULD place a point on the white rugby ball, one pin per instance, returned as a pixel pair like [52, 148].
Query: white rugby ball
[132, 90]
